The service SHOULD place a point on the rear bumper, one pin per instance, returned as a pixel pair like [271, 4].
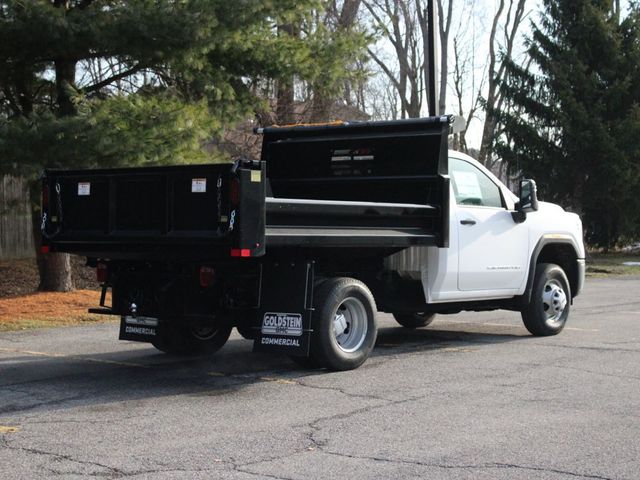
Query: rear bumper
[580, 276]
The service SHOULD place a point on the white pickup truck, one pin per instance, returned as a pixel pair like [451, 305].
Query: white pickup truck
[500, 250]
[299, 249]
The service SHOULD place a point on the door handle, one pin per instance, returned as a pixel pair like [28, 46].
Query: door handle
[467, 222]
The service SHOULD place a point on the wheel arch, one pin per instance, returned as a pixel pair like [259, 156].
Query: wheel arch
[560, 250]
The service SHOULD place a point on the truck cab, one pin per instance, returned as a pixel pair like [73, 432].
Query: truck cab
[492, 246]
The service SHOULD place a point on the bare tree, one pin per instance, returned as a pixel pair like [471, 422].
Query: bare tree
[467, 87]
[404, 24]
[501, 49]
[397, 21]
[384, 103]
[444, 29]
[463, 71]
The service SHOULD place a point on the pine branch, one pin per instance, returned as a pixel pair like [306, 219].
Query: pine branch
[104, 83]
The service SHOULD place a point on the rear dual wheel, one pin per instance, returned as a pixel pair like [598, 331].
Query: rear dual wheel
[246, 331]
[344, 325]
[196, 339]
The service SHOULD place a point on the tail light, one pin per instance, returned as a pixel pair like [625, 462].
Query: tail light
[207, 275]
[240, 252]
[102, 272]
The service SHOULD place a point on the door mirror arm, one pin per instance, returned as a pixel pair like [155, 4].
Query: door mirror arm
[518, 215]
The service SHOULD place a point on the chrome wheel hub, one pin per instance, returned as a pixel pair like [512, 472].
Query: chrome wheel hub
[554, 301]
[350, 325]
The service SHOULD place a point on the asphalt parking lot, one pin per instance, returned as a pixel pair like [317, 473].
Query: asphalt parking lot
[471, 397]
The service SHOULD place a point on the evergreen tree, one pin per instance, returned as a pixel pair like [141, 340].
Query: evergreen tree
[113, 82]
[573, 120]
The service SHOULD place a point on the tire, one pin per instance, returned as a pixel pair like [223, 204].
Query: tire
[192, 340]
[550, 303]
[347, 304]
[414, 320]
[246, 332]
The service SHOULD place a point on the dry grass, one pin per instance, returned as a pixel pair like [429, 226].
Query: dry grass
[44, 309]
[607, 264]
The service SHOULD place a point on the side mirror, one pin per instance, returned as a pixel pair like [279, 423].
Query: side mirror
[528, 196]
[528, 200]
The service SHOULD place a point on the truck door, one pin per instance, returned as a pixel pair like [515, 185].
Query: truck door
[493, 249]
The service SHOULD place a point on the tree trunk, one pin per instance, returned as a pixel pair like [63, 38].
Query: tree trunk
[486, 144]
[284, 103]
[24, 87]
[320, 108]
[55, 272]
[65, 84]
[444, 27]
[54, 268]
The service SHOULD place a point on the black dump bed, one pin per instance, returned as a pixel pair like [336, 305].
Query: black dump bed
[369, 184]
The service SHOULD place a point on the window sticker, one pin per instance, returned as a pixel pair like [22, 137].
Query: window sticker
[468, 185]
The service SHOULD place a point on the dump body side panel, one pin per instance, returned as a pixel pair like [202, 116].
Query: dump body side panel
[398, 163]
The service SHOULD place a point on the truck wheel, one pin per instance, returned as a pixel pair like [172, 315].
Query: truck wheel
[550, 303]
[414, 320]
[246, 332]
[344, 324]
[192, 340]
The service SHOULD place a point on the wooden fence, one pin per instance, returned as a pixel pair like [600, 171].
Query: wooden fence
[16, 239]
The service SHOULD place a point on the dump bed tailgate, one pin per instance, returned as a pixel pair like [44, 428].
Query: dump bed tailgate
[138, 209]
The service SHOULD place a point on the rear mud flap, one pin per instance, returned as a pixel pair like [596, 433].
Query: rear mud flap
[139, 329]
[285, 310]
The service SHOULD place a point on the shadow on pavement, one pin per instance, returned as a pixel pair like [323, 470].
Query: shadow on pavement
[37, 380]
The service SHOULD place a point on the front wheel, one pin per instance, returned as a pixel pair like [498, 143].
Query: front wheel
[550, 303]
[414, 320]
[344, 325]
[192, 339]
